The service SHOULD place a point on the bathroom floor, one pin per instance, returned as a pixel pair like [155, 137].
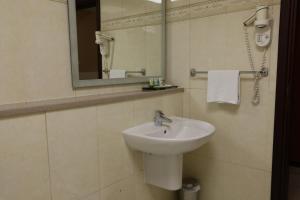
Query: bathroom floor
[294, 185]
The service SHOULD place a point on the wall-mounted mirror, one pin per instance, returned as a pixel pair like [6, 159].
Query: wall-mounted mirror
[116, 41]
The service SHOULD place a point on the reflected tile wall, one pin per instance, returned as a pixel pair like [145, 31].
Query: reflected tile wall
[137, 46]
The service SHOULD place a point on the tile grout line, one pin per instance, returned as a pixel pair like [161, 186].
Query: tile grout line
[48, 157]
[233, 163]
[99, 167]
[189, 62]
[115, 182]
[134, 122]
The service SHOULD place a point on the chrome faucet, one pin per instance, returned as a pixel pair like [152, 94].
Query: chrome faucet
[160, 119]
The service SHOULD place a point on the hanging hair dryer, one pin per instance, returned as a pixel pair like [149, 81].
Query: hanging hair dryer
[103, 41]
[262, 25]
[260, 17]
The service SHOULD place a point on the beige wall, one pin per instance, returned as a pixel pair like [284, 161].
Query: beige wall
[76, 154]
[236, 163]
[35, 56]
[80, 154]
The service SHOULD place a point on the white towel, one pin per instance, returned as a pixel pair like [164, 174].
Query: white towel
[117, 73]
[223, 86]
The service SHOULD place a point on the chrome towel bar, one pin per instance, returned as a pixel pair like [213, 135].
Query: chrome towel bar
[142, 71]
[264, 72]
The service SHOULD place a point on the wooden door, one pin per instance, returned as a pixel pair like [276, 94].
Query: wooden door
[295, 125]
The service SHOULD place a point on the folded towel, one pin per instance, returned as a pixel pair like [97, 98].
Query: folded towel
[117, 73]
[223, 86]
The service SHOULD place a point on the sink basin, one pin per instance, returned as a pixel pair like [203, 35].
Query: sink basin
[183, 135]
[163, 148]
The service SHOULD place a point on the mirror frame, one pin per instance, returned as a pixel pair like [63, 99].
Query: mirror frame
[77, 83]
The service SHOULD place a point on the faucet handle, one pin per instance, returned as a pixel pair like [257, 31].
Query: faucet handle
[159, 113]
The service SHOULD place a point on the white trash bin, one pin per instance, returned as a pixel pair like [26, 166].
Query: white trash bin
[190, 189]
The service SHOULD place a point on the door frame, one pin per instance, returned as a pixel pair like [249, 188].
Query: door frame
[283, 107]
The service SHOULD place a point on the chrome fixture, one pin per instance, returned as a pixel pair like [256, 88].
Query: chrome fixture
[264, 72]
[142, 72]
[160, 119]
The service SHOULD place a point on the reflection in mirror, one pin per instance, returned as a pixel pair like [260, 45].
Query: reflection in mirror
[88, 21]
[119, 39]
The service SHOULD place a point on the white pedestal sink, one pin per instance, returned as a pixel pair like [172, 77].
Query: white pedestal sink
[163, 148]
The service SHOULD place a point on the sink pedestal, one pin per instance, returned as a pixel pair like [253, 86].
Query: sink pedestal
[164, 171]
[163, 148]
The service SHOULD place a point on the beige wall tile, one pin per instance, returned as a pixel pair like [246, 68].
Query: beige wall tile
[151, 6]
[222, 180]
[11, 65]
[153, 41]
[242, 135]
[196, 1]
[73, 151]
[208, 42]
[186, 103]
[178, 53]
[12, 89]
[94, 196]
[134, 7]
[24, 172]
[116, 159]
[60, 1]
[177, 3]
[45, 51]
[37, 63]
[123, 190]
[111, 9]
[173, 105]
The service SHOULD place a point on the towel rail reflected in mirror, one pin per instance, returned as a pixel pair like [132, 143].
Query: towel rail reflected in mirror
[142, 72]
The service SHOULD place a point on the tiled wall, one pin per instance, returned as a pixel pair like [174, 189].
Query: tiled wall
[137, 34]
[35, 55]
[78, 154]
[236, 163]
[137, 48]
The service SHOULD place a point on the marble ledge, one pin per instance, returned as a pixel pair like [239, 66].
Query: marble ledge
[36, 107]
